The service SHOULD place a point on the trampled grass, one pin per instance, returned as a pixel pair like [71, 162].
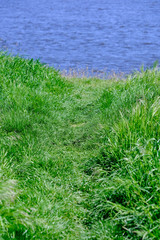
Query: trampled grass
[79, 157]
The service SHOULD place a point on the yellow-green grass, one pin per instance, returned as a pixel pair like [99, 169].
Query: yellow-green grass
[79, 158]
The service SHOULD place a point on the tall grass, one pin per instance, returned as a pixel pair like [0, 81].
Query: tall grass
[79, 157]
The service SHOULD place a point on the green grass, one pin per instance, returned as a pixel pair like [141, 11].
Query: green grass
[79, 157]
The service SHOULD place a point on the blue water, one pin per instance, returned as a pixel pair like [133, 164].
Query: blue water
[118, 35]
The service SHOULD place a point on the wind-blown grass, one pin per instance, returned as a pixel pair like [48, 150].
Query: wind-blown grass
[79, 157]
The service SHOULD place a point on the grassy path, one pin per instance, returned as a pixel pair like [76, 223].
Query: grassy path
[79, 157]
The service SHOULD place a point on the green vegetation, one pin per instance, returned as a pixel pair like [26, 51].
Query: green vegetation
[79, 157]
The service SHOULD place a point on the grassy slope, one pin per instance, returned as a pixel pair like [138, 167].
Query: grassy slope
[79, 158]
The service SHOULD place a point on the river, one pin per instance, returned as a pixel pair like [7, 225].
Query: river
[115, 35]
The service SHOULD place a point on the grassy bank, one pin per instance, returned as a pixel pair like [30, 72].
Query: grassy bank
[79, 157]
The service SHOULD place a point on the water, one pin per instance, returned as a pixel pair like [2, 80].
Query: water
[105, 34]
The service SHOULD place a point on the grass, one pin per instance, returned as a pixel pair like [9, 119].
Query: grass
[79, 157]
